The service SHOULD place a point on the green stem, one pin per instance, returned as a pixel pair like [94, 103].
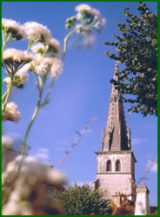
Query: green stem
[29, 45]
[65, 42]
[49, 91]
[35, 113]
[5, 42]
[31, 122]
[40, 86]
[4, 45]
[36, 80]
[4, 95]
[38, 106]
[4, 66]
[8, 92]
[8, 95]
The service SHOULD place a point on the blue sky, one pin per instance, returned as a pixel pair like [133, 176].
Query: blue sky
[80, 93]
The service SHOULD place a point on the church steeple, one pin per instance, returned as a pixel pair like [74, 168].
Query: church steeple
[115, 135]
[116, 160]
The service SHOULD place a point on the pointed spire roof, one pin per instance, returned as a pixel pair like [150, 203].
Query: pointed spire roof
[115, 134]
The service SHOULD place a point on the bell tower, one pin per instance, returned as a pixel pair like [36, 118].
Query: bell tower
[115, 162]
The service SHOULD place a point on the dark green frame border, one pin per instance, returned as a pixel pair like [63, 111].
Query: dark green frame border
[158, 138]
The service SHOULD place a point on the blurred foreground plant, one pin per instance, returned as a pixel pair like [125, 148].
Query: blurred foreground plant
[24, 192]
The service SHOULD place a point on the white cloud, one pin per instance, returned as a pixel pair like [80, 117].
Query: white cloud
[42, 154]
[138, 141]
[152, 166]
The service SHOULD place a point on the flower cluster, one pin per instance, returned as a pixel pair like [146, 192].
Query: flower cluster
[90, 18]
[38, 48]
[20, 77]
[15, 59]
[50, 66]
[36, 32]
[53, 46]
[86, 13]
[86, 21]
[45, 48]
[40, 41]
[42, 58]
[13, 56]
[11, 113]
[13, 28]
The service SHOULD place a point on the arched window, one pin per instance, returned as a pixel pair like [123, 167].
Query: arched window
[118, 166]
[108, 166]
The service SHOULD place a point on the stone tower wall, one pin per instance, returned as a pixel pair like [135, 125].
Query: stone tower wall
[126, 161]
[112, 184]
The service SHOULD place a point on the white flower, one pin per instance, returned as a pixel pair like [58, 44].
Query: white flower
[6, 142]
[100, 24]
[37, 32]
[54, 46]
[22, 73]
[90, 20]
[11, 112]
[7, 80]
[20, 77]
[88, 39]
[11, 26]
[38, 48]
[90, 17]
[44, 65]
[57, 67]
[14, 56]
[86, 8]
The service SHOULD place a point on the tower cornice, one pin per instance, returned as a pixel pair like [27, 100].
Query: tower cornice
[116, 152]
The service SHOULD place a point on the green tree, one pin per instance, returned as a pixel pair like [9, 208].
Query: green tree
[137, 50]
[82, 200]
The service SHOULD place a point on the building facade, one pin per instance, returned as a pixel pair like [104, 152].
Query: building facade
[116, 162]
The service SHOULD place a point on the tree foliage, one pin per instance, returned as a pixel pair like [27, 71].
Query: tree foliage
[137, 50]
[82, 200]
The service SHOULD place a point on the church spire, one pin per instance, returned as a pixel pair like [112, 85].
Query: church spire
[115, 134]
